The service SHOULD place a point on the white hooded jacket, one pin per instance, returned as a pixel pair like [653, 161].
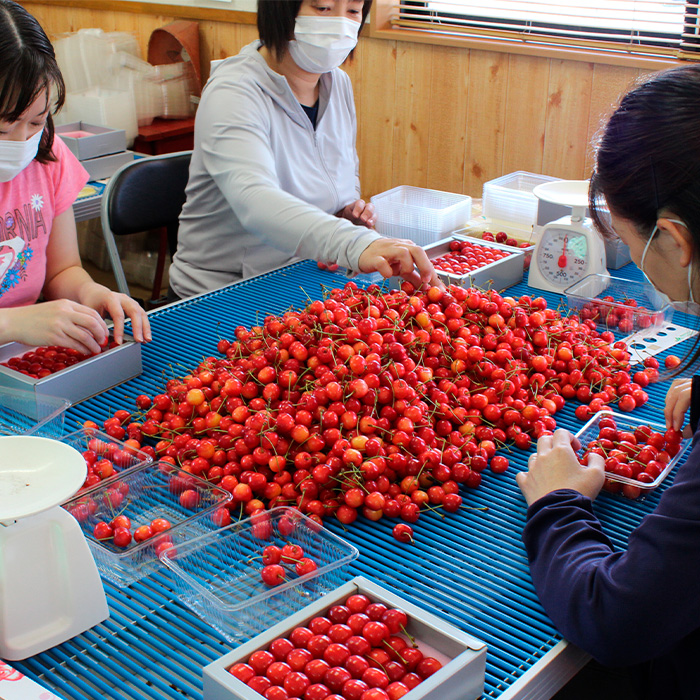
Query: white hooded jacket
[264, 185]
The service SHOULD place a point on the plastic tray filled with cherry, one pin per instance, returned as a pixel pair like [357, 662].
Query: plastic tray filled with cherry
[618, 304]
[130, 518]
[360, 642]
[638, 455]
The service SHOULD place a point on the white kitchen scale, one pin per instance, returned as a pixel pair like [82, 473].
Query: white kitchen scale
[50, 589]
[569, 248]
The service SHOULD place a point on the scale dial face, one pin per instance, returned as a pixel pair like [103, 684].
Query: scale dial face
[562, 256]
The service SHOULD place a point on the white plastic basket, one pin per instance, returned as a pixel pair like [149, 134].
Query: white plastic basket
[423, 216]
[509, 198]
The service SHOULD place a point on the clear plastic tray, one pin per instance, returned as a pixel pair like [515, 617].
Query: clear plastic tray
[630, 488]
[27, 413]
[121, 456]
[218, 575]
[509, 198]
[603, 298]
[142, 494]
[423, 216]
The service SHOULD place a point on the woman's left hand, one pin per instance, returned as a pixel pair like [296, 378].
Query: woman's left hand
[118, 307]
[361, 213]
[556, 466]
[399, 256]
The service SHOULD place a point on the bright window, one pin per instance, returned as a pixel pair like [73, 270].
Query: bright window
[646, 27]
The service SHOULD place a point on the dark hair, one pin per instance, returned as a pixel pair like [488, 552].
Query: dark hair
[648, 155]
[648, 158]
[28, 67]
[276, 22]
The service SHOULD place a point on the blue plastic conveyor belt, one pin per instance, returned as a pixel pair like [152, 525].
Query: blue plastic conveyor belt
[469, 568]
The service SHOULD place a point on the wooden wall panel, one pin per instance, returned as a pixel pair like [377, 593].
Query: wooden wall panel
[486, 118]
[526, 106]
[609, 84]
[378, 102]
[413, 107]
[448, 99]
[438, 117]
[566, 120]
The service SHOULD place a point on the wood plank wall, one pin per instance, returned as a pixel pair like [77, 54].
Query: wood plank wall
[434, 116]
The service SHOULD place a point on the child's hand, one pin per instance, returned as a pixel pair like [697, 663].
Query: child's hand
[61, 322]
[118, 307]
[677, 403]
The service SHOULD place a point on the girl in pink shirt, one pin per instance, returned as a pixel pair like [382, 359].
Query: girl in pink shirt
[39, 181]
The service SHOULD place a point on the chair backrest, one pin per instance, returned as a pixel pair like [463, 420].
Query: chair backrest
[148, 193]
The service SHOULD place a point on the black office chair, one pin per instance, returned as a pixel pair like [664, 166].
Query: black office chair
[144, 195]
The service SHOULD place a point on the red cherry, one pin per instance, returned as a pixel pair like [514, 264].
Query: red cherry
[273, 575]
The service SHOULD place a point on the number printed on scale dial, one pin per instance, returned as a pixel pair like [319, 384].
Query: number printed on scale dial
[563, 257]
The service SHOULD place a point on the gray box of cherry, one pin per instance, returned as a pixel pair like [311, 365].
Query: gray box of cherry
[79, 381]
[498, 274]
[463, 656]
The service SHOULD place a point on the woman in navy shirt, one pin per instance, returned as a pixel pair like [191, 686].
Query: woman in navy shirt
[637, 608]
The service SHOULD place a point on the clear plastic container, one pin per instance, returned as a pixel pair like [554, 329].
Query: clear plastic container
[28, 413]
[618, 304]
[121, 456]
[144, 493]
[629, 488]
[423, 216]
[617, 253]
[218, 575]
[509, 198]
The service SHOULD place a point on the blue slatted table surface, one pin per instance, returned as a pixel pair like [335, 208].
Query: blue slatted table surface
[469, 568]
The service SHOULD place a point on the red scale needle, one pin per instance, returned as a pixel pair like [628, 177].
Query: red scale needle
[562, 257]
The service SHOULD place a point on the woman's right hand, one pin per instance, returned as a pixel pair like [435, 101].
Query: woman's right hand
[677, 403]
[399, 257]
[61, 322]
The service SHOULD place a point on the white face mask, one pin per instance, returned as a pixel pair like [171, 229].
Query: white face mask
[15, 156]
[321, 44]
[688, 307]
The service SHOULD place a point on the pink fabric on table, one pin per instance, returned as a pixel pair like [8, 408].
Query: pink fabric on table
[28, 205]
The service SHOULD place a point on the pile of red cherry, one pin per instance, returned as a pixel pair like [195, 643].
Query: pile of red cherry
[626, 315]
[465, 257]
[118, 532]
[358, 650]
[274, 559]
[634, 457]
[380, 404]
[48, 359]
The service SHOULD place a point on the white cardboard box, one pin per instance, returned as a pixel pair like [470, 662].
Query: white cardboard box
[462, 678]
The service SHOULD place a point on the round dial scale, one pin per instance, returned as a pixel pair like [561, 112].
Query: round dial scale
[569, 248]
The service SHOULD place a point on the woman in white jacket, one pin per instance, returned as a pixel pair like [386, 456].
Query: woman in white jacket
[274, 172]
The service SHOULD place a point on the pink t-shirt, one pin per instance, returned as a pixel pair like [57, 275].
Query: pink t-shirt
[28, 205]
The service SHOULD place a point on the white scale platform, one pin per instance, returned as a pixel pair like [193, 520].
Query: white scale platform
[50, 589]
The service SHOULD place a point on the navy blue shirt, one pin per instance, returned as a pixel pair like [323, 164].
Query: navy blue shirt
[640, 606]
